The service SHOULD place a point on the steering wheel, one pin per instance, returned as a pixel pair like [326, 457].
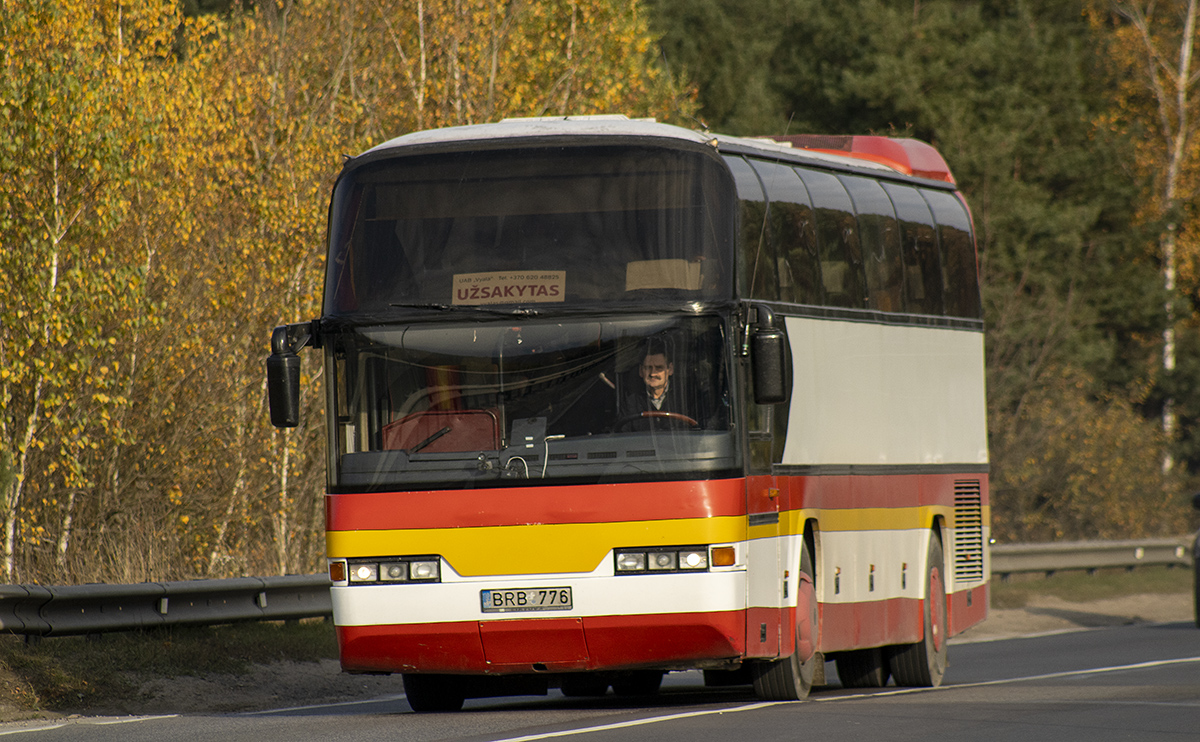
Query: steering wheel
[670, 417]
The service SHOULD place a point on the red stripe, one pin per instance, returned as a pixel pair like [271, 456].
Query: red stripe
[444, 647]
[558, 643]
[601, 503]
[874, 624]
[883, 491]
[962, 616]
[766, 620]
[625, 642]
[612, 643]
[607, 503]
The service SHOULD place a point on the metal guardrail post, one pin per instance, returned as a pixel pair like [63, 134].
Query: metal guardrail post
[20, 609]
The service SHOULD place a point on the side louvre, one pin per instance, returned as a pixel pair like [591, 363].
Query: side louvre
[968, 531]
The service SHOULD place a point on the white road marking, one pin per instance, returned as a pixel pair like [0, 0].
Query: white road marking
[640, 722]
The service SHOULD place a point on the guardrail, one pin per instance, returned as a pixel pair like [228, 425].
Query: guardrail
[1088, 555]
[89, 609]
[34, 610]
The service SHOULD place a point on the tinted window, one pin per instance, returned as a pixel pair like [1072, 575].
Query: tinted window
[793, 234]
[837, 240]
[959, 274]
[880, 238]
[918, 249]
[757, 276]
[562, 225]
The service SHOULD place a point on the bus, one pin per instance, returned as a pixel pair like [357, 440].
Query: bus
[609, 398]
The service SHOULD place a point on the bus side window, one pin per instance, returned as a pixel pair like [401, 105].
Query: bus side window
[880, 237]
[919, 249]
[958, 254]
[792, 232]
[837, 239]
[757, 277]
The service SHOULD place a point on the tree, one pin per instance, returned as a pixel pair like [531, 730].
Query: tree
[1152, 48]
[1009, 92]
[165, 185]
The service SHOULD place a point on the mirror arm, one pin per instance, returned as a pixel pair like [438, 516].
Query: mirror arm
[289, 339]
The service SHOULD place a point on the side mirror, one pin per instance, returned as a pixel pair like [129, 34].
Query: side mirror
[283, 389]
[283, 373]
[768, 358]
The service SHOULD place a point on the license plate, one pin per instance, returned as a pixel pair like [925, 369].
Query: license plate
[508, 600]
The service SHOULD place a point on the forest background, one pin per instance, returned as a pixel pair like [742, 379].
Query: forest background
[165, 169]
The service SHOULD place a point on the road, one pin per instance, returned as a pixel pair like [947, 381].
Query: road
[1123, 683]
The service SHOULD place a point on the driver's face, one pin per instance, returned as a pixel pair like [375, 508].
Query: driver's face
[654, 372]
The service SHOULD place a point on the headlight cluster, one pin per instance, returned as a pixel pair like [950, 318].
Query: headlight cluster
[388, 570]
[662, 559]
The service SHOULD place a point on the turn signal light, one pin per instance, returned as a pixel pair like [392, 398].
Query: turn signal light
[337, 571]
[723, 556]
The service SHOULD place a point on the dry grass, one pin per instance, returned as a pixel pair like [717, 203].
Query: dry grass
[78, 673]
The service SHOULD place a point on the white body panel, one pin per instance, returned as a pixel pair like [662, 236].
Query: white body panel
[883, 394]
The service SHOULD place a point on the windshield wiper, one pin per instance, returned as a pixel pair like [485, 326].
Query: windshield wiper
[518, 312]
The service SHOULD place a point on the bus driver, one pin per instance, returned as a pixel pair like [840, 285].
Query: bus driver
[658, 394]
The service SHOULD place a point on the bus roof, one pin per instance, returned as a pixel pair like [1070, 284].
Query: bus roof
[878, 154]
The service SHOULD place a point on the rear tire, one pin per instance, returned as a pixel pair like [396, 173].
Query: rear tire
[923, 664]
[791, 678]
[432, 693]
[863, 668]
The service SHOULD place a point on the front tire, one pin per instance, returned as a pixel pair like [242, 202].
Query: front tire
[432, 693]
[791, 678]
[637, 683]
[923, 664]
[584, 685]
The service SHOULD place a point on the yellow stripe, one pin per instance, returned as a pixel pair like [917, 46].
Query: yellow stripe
[579, 547]
[865, 519]
[535, 549]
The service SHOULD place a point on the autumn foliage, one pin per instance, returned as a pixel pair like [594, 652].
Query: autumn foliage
[164, 181]
[165, 186]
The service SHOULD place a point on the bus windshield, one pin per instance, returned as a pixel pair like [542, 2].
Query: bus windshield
[441, 404]
[542, 227]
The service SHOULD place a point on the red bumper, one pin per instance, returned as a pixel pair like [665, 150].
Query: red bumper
[544, 644]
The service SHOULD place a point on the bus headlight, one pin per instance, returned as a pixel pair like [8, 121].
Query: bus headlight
[423, 570]
[630, 561]
[393, 572]
[662, 559]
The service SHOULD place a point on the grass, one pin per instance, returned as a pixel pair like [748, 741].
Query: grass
[1079, 587]
[77, 673]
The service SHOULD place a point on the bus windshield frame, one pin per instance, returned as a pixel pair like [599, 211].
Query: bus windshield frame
[538, 226]
[451, 405]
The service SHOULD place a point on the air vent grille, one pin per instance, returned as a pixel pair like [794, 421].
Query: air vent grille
[968, 531]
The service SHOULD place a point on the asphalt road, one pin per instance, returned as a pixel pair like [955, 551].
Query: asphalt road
[1126, 683]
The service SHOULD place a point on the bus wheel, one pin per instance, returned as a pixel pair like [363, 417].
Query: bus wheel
[583, 684]
[924, 663]
[427, 693]
[791, 678]
[863, 668]
[637, 683]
